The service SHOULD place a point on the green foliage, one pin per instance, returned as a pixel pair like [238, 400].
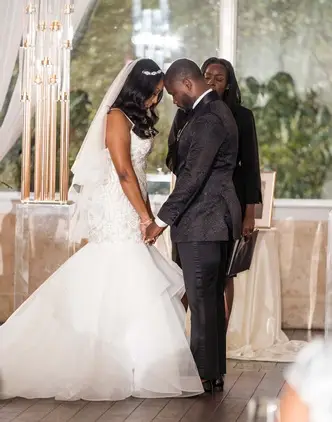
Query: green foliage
[293, 128]
[294, 134]
[103, 50]
[106, 46]
[196, 23]
[10, 169]
[80, 119]
[160, 146]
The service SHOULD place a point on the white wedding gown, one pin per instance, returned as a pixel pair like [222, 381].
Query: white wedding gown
[108, 324]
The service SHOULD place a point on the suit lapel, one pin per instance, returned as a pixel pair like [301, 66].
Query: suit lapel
[176, 143]
[194, 113]
[181, 130]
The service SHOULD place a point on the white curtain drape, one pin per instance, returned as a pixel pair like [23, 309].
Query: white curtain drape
[10, 37]
[11, 29]
[227, 29]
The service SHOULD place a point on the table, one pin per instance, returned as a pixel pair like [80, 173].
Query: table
[254, 331]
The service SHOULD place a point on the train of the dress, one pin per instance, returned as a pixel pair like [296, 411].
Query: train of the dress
[107, 325]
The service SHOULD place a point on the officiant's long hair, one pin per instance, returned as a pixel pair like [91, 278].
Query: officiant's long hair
[232, 94]
[138, 88]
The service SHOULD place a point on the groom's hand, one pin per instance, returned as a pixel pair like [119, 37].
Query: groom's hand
[152, 232]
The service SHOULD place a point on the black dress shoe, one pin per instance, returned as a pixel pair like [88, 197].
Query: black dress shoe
[219, 383]
[208, 386]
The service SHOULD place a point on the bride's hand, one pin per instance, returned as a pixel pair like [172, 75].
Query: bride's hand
[143, 226]
[143, 231]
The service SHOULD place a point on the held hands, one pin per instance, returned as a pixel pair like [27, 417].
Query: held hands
[144, 224]
[152, 232]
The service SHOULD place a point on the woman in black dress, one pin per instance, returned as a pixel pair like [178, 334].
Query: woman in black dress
[220, 75]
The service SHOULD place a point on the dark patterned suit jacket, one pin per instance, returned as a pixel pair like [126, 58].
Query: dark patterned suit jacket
[203, 205]
[246, 178]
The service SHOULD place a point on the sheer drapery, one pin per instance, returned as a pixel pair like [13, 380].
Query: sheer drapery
[11, 29]
[254, 331]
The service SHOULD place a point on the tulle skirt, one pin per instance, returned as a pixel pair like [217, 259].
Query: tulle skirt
[107, 325]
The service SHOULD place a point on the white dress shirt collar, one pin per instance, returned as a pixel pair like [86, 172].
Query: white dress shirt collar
[201, 97]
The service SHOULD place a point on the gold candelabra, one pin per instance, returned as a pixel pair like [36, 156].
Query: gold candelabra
[45, 89]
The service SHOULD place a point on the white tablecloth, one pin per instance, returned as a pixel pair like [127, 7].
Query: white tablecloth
[254, 331]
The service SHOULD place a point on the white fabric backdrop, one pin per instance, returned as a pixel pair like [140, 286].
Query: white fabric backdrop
[10, 36]
[254, 332]
[11, 29]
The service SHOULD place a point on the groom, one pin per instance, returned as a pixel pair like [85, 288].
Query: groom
[203, 211]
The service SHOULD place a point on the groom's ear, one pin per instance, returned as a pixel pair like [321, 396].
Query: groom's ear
[187, 83]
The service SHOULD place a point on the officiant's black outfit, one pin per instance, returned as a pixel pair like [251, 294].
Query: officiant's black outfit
[204, 212]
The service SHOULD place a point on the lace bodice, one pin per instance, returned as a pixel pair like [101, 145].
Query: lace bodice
[111, 217]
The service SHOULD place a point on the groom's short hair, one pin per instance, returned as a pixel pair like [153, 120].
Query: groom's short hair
[183, 69]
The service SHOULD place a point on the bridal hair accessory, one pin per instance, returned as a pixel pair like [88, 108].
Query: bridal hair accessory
[146, 72]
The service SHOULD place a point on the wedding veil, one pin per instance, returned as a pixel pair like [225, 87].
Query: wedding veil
[89, 166]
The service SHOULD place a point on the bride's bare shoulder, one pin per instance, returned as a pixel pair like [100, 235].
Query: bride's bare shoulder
[116, 119]
[118, 130]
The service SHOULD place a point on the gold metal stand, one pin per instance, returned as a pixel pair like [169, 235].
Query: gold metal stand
[42, 241]
[45, 82]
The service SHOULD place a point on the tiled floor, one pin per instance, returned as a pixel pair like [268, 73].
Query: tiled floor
[243, 381]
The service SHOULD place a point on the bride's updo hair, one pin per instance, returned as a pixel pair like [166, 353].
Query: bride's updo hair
[139, 87]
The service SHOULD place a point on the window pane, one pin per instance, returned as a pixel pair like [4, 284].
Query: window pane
[188, 28]
[104, 44]
[284, 63]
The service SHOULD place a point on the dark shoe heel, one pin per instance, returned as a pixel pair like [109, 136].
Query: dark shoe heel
[208, 386]
[219, 384]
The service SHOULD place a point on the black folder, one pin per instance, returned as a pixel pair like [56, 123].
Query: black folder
[241, 254]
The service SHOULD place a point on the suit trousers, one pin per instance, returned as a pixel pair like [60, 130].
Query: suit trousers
[175, 254]
[204, 271]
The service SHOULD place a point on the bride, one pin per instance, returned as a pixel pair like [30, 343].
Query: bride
[109, 323]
